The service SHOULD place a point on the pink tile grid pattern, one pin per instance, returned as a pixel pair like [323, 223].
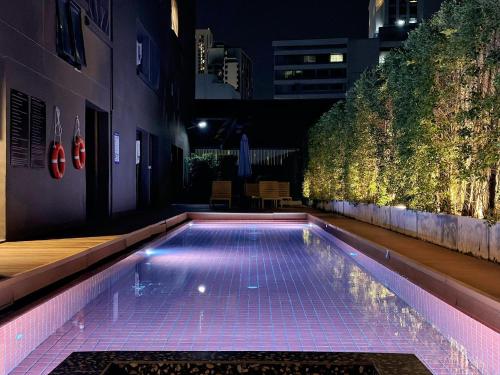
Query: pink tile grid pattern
[256, 287]
[475, 341]
[21, 335]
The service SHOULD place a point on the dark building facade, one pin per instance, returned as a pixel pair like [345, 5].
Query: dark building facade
[119, 73]
[320, 68]
[222, 72]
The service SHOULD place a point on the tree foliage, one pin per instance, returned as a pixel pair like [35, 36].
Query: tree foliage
[421, 129]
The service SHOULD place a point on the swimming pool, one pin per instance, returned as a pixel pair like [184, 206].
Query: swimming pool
[252, 286]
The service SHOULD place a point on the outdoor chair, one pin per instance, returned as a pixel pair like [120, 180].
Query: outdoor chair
[269, 191]
[284, 189]
[221, 191]
[252, 191]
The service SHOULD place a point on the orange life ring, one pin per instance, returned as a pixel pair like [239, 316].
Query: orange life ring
[57, 161]
[79, 155]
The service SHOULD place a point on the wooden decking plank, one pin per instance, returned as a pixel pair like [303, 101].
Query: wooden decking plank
[23, 256]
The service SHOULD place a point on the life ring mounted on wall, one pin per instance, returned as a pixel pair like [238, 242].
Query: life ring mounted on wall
[57, 160]
[79, 155]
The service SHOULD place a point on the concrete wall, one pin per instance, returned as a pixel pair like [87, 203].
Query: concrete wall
[35, 202]
[162, 112]
[464, 234]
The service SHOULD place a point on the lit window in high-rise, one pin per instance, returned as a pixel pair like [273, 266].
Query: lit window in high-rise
[175, 17]
[310, 59]
[336, 57]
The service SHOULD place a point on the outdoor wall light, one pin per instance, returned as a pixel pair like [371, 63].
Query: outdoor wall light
[400, 23]
[200, 125]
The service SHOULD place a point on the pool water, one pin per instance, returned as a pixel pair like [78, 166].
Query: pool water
[249, 287]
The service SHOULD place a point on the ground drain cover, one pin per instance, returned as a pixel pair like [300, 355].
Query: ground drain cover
[250, 363]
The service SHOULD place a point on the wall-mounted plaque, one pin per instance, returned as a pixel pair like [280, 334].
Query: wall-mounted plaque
[38, 125]
[116, 147]
[19, 129]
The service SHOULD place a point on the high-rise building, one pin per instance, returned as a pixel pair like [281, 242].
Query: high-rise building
[391, 20]
[320, 68]
[222, 72]
[204, 41]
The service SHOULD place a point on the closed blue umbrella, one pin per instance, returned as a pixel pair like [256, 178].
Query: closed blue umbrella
[244, 167]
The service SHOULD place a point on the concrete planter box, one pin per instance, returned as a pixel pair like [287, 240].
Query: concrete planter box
[473, 236]
[494, 243]
[365, 212]
[349, 209]
[404, 221]
[338, 207]
[329, 206]
[440, 229]
[465, 234]
[381, 216]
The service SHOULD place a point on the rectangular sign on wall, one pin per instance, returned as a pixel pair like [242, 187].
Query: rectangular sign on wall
[19, 129]
[37, 133]
[116, 148]
[137, 152]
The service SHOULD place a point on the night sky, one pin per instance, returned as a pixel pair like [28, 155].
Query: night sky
[254, 24]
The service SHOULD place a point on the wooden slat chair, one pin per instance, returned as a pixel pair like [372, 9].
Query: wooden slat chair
[221, 191]
[269, 191]
[252, 191]
[284, 189]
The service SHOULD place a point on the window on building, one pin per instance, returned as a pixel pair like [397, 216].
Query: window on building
[70, 45]
[98, 12]
[175, 17]
[147, 58]
[403, 9]
[309, 59]
[336, 57]
[413, 10]
[393, 12]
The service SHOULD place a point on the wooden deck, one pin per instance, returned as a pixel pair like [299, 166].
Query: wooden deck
[22, 256]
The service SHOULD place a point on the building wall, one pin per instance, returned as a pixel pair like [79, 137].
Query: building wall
[362, 54]
[35, 202]
[135, 104]
[376, 17]
[231, 74]
[208, 87]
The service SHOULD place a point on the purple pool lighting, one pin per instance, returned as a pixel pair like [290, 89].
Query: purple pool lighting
[250, 286]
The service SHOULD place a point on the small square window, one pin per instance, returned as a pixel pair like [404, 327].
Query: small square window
[336, 58]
